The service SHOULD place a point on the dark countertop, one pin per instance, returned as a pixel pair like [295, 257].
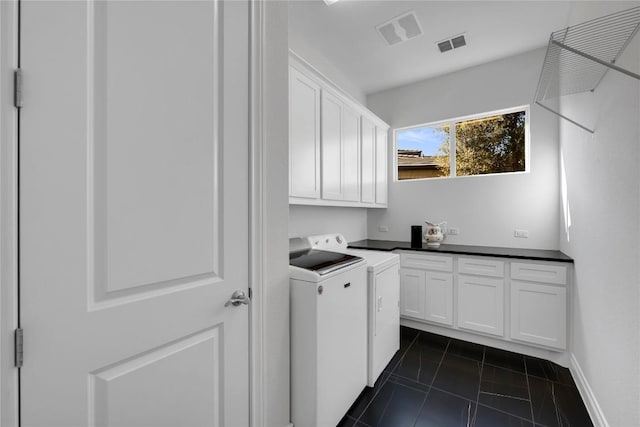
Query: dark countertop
[532, 254]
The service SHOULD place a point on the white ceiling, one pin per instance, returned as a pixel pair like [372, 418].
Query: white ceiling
[344, 34]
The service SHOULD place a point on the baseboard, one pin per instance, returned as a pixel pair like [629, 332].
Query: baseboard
[596, 414]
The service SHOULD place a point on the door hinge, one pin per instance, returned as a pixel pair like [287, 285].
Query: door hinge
[17, 88]
[250, 294]
[19, 347]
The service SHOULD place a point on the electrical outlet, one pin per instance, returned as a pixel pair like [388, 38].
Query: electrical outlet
[521, 233]
[453, 231]
[383, 228]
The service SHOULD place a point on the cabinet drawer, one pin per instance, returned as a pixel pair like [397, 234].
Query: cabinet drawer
[481, 267]
[427, 262]
[543, 273]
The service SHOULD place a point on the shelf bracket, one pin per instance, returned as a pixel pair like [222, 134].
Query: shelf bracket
[565, 117]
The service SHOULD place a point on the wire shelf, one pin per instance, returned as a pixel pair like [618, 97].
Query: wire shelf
[578, 57]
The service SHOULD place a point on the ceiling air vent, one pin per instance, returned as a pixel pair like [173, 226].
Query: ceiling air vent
[400, 29]
[452, 43]
[445, 46]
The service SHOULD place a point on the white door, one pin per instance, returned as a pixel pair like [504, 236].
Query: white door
[133, 219]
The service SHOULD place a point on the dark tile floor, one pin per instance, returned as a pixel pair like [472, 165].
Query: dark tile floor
[435, 381]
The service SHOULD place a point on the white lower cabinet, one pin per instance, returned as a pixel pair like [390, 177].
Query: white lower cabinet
[412, 290]
[425, 294]
[539, 313]
[522, 301]
[481, 304]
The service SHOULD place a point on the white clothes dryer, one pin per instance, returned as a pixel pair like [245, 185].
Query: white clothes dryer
[383, 300]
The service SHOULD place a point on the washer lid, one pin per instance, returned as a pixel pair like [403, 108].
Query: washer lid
[321, 262]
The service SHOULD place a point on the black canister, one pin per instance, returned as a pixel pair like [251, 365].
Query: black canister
[416, 236]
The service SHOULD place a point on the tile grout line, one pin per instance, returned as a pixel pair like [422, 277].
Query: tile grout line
[555, 404]
[424, 400]
[419, 363]
[475, 410]
[385, 380]
[526, 373]
[432, 381]
[507, 396]
[384, 411]
[512, 415]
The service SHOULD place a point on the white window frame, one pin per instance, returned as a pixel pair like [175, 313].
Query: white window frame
[452, 143]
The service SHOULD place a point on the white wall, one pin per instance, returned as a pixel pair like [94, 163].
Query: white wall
[276, 184]
[310, 220]
[487, 209]
[603, 183]
[309, 54]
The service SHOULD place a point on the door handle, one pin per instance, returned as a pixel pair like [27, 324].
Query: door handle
[238, 298]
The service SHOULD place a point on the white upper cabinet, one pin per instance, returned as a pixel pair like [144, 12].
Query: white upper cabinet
[332, 143]
[368, 147]
[338, 148]
[351, 154]
[381, 165]
[304, 136]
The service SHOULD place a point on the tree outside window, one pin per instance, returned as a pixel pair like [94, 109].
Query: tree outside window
[491, 144]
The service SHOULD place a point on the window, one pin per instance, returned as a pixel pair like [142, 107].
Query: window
[484, 144]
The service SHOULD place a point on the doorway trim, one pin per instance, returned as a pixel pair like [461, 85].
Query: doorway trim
[9, 383]
[256, 214]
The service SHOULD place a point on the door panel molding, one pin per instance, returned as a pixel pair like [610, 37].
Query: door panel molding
[108, 158]
[112, 399]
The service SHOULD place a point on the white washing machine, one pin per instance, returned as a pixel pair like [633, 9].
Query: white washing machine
[383, 300]
[328, 333]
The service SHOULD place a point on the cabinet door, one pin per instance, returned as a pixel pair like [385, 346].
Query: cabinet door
[481, 304]
[368, 161]
[331, 147]
[350, 154]
[381, 166]
[304, 136]
[539, 314]
[439, 298]
[412, 293]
